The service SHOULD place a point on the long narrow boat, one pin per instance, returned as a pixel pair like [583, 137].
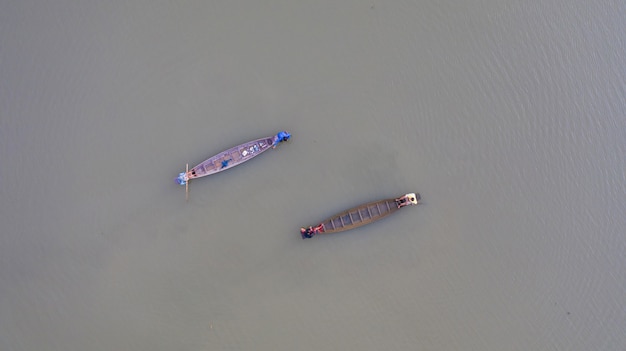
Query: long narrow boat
[232, 157]
[360, 216]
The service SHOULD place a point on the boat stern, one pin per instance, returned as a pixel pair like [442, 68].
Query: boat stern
[414, 198]
[409, 199]
[310, 232]
[305, 233]
[182, 178]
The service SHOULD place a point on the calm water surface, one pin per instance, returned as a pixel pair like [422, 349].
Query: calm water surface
[507, 117]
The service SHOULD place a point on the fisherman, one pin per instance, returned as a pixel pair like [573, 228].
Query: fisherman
[309, 233]
[306, 233]
[402, 201]
[281, 136]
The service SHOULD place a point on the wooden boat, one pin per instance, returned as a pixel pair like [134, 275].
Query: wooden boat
[232, 157]
[360, 216]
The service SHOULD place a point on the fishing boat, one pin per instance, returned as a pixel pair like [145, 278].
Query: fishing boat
[232, 157]
[360, 216]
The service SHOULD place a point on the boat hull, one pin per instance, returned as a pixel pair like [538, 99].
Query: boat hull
[361, 215]
[230, 158]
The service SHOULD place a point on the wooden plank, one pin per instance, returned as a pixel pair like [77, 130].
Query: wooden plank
[235, 155]
[349, 218]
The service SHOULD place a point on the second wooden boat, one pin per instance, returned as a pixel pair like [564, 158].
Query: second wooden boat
[360, 216]
[232, 157]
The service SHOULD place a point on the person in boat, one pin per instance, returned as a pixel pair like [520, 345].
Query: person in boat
[307, 233]
[281, 136]
[406, 200]
[403, 201]
[310, 232]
